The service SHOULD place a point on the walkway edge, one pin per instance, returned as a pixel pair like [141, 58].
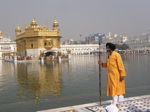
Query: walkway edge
[81, 108]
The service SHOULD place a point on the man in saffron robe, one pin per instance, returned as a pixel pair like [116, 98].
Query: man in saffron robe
[116, 74]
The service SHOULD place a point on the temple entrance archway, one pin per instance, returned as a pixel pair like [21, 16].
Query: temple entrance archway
[50, 53]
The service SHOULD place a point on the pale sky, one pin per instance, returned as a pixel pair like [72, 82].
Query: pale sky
[77, 17]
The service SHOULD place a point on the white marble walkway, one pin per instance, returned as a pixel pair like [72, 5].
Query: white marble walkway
[132, 104]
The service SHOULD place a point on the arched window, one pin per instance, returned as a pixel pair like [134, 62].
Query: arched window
[31, 45]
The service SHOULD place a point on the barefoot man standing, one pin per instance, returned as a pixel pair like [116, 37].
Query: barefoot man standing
[115, 76]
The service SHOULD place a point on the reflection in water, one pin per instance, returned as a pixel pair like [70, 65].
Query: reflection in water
[5, 75]
[36, 80]
[53, 85]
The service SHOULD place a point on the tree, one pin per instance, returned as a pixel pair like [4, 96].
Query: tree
[75, 42]
[122, 46]
[83, 42]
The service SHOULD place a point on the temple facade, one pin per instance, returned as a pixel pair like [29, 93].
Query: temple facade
[36, 40]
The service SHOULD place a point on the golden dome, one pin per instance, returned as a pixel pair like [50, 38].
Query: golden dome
[1, 34]
[33, 22]
[55, 24]
[18, 29]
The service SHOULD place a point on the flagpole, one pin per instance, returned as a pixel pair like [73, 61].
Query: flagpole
[100, 94]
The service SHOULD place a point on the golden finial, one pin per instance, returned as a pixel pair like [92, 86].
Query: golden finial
[55, 24]
[33, 22]
[18, 28]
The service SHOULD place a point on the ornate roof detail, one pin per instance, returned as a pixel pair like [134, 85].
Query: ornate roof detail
[18, 29]
[33, 23]
[55, 24]
[1, 34]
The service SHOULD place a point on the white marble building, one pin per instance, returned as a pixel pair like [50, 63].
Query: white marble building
[81, 48]
[6, 45]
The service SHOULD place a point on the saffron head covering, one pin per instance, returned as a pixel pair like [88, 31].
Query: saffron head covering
[111, 46]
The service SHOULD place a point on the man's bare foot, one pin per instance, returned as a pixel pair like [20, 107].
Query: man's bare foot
[117, 105]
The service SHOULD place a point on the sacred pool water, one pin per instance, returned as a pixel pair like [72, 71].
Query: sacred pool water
[30, 87]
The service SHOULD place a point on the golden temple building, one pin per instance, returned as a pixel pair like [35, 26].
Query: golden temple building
[37, 40]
